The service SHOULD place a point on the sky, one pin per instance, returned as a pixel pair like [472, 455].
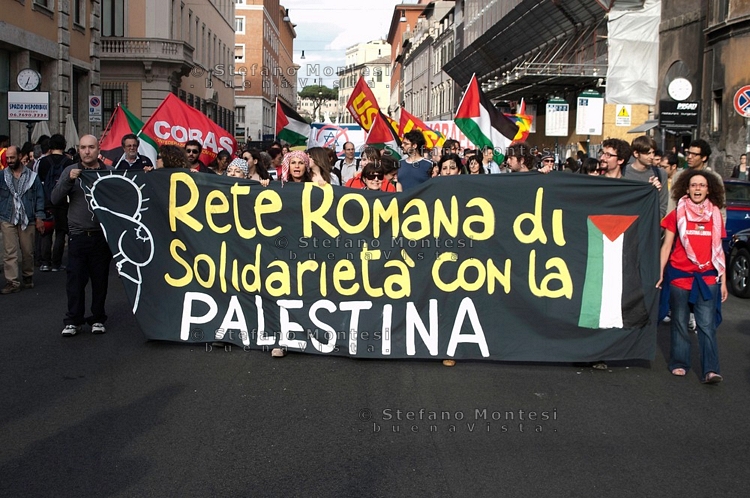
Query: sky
[326, 28]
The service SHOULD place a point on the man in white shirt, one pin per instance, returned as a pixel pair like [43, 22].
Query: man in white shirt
[348, 165]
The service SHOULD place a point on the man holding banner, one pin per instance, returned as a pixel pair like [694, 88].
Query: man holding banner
[88, 253]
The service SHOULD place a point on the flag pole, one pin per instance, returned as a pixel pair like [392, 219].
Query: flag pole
[109, 124]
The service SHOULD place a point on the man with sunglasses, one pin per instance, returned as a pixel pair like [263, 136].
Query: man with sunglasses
[193, 149]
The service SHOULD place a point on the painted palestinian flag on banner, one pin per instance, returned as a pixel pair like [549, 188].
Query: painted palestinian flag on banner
[482, 123]
[613, 291]
[290, 127]
[120, 124]
[381, 136]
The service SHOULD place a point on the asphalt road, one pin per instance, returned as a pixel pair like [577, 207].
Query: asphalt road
[116, 415]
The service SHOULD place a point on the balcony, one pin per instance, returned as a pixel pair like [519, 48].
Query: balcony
[146, 49]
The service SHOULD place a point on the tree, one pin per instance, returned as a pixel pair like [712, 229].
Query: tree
[318, 94]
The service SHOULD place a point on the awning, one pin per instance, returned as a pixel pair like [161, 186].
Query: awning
[528, 26]
[648, 125]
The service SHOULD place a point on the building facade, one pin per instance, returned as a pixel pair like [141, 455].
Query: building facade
[59, 40]
[403, 22]
[429, 93]
[154, 47]
[263, 51]
[371, 61]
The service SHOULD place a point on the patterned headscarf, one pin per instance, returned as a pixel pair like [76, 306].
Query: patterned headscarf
[287, 158]
[240, 163]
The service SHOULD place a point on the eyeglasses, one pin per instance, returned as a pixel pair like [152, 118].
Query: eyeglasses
[691, 153]
[548, 160]
[375, 176]
[192, 151]
[606, 155]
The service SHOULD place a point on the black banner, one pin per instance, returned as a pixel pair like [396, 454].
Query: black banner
[522, 267]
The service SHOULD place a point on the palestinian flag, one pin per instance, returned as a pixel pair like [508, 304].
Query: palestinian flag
[290, 127]
[613, 292]
[482, 123]
[122, 123]
[381, 136]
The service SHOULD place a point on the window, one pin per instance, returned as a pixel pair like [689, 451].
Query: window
[113, 15]
[239, 53]
[79, 12]
[44, 3]
[716, 112]
[239, 2]
[239, 113]
[239, 25]
[110, 99]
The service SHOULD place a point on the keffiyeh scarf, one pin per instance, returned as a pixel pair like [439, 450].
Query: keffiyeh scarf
[687, 210]
[19, 216]
[287, 158]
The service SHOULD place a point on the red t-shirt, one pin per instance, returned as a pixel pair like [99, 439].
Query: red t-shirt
[699, 234]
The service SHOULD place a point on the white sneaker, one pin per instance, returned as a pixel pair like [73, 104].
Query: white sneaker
[98, 328]
[691, 323]
[668, 318]
[71, 330]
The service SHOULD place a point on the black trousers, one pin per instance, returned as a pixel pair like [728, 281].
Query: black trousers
[53, 254]
[88, 259]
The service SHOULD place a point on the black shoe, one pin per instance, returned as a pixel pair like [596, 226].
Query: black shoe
[58, 268]
[28, 283]
[10, 288]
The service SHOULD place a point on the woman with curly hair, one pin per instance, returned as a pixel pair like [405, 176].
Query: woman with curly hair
[693, 271]
[171, 156]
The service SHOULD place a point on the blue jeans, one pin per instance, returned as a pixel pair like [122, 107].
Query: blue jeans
[705, 315]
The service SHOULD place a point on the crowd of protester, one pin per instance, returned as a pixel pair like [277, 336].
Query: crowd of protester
[42, 198]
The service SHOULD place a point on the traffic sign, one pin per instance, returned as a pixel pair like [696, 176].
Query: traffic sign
[95, 109]
[742, 101]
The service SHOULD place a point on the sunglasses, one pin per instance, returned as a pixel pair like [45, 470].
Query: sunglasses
[158, 157]
[376, 176]
[193, 151]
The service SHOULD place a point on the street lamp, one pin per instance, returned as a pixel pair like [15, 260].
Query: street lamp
[286, 16]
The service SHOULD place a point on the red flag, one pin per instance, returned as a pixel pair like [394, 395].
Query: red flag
[363, 106]
[410, 122]
[110, 147]
[174, 123]
[381, 136]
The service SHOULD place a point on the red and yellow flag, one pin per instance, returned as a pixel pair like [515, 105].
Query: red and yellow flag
[363, 107]
[410, 122]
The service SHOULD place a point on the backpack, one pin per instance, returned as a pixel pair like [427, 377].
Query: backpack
[336, 169]
[53, 176]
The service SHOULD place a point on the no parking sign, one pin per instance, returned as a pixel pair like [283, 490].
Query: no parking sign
[95, 109]
[742, 101]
